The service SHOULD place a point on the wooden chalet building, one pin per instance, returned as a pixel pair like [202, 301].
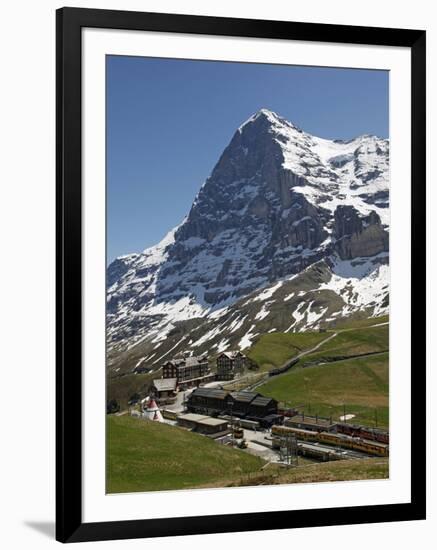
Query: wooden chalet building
[229, 364]
[242, 404]
[209, 401]
[188, 371]
[164, 390]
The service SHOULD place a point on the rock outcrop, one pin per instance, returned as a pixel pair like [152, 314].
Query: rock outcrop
[356, 236]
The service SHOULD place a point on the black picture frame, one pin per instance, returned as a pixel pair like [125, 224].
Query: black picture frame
[69, 525]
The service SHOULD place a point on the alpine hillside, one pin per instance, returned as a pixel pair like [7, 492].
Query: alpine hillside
[289, 233]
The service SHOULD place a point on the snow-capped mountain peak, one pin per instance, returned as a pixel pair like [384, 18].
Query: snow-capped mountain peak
[266, 115]
[278, 201]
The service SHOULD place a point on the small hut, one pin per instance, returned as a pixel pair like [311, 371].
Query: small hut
[152, 412]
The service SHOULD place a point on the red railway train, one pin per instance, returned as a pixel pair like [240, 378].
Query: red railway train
[364, 432]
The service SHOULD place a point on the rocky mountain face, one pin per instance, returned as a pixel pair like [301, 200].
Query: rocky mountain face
[288, 232]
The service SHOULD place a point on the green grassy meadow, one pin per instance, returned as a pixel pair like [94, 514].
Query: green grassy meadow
[352, 342]
[340, 470]
[332, 377]
[361, 384]
[347, 323]
[150, 456]
[272, 350]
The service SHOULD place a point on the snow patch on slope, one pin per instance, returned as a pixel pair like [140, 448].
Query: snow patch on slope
[246, 341]
[361, 284]
[268, 292]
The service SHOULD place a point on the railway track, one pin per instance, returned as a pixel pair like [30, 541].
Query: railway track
[287, 363]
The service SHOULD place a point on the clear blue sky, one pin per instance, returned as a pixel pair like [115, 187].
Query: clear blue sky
[168, 121]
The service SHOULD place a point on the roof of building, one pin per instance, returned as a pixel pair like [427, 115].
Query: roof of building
[165, 384]
[244, 396]
[202, 419]
[188, 361]
[261, 401]
[210, 393]
[191, 417]
[237, 396]
[232, 354]
[192, 361]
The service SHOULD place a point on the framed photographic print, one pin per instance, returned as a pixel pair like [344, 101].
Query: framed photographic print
[240, 270]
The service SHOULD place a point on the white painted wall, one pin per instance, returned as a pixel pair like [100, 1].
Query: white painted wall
[27, 135]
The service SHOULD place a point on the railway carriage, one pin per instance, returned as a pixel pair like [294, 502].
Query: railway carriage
[372, 434]
[339, 440]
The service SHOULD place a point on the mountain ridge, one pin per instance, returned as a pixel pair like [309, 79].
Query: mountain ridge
[277, 202]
